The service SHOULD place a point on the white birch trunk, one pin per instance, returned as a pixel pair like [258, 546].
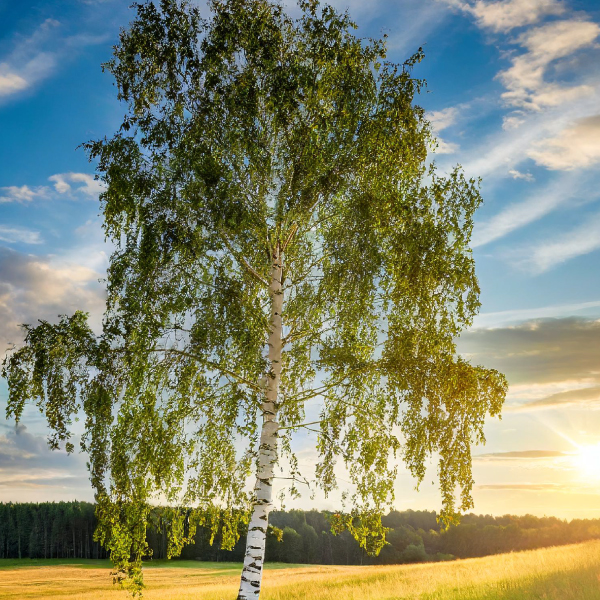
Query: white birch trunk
[257, 528]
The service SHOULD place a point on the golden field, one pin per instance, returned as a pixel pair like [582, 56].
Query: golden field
[560, 573]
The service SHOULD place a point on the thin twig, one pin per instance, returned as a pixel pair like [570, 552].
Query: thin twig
[290, 236]
[213, 365]
[242, 260]
[301, 425]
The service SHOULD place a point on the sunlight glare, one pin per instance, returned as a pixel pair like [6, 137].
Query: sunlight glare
[587, 461]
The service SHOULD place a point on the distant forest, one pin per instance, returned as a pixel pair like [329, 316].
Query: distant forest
[65, 530]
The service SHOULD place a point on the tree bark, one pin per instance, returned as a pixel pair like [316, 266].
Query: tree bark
[257, 529]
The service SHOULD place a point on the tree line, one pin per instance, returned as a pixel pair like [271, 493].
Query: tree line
[49, 530]
[65, 530]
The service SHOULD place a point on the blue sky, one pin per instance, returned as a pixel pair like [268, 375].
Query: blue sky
[514, 96]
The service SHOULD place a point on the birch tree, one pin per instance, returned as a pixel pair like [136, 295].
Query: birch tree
[283, 245]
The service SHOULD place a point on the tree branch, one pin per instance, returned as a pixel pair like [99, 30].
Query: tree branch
[319, 391]
[304, 481]
[212, 365]
[243, 262]
[301, 425]
[290, 236]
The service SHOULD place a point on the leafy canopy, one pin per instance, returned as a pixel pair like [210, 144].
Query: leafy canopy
[244, 132]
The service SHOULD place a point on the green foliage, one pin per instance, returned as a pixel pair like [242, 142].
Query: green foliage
[244, 133]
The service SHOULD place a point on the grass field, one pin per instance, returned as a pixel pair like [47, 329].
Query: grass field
[562, 573]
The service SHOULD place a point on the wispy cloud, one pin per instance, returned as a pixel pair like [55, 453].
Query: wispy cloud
[538, 204]
[30, 61]
[13, 235]
[10, 83]
[22, 194]
[38, 55]
[503, 318]
[408, 25]
[525, 79]
[588, 397]
[444, 147]
[529, 487]
[440, 120]
[521, 395]
[503, 150]
[518, 175]
[522, 454]
[551, 89]
[545, 255]
[577, 146]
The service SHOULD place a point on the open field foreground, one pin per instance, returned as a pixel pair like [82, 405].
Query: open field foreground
[561, 573]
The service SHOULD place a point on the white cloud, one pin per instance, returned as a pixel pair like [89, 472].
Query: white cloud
[442, 119]
[512, 122]
[12, 235]
[553, 94]
[546, 255]
[518, 175]
[504, 150]
[577, 146]
[549, 85]
[30, 61]
[60, 184]
[85, 184]
[91, 187]
[10, 82]
[504, 15]
[444, 147]
[536, 206]
[24, 193]
[37, 56]
[559, 38]
[525, 79]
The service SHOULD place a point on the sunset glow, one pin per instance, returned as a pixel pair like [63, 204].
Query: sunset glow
[587, 461]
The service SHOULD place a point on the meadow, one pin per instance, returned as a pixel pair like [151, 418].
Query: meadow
[559, 573]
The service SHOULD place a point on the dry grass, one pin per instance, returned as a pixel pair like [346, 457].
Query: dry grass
[562, 573]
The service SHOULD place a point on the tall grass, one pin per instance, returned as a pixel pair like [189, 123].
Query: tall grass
[561, 573]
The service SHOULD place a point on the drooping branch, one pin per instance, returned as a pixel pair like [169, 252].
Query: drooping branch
[314, 392]
[211, 364]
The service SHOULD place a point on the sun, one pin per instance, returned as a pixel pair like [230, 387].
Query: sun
[587, 460]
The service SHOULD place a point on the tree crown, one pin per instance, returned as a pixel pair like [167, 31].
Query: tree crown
[245, 134]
